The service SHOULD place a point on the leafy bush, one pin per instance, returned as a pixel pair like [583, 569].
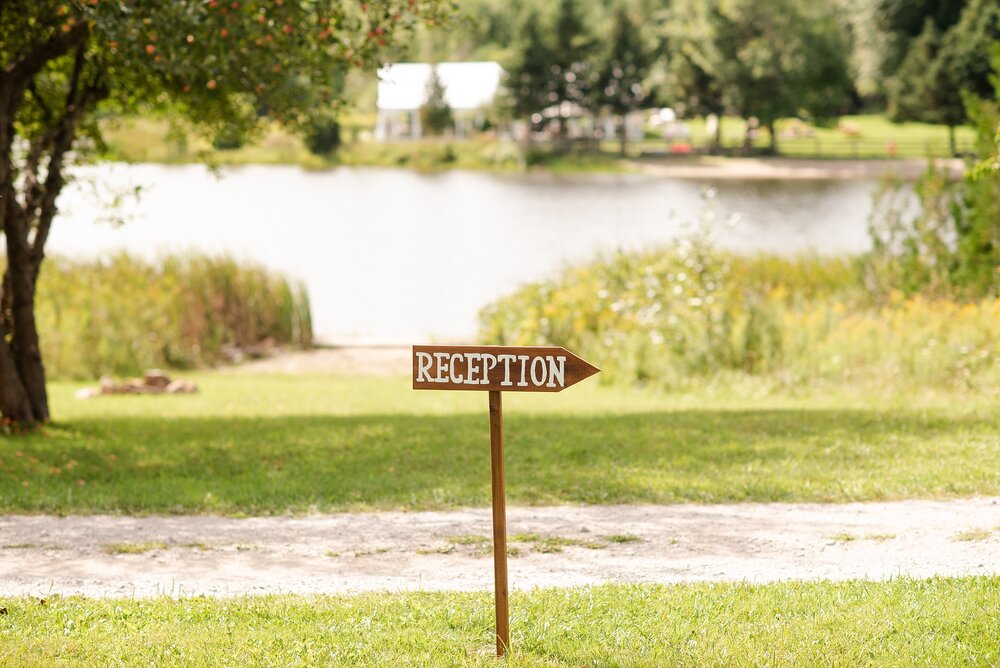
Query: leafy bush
[322, 137]
[123, 314]
[687, 314]
[228, 139]
[951, 245]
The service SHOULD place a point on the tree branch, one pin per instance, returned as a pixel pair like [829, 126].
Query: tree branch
[13, 81]
[28, 66]
[33, 193]
[37, 147]
[73, 93]
[88, 96]
[46, 111]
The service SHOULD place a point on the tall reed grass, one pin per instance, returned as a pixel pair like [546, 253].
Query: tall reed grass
[122, 314]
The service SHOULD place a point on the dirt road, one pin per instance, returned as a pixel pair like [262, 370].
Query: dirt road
[556, 546]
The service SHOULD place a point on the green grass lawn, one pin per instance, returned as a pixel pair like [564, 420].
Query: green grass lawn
[272, 444]
[148, 140]
[866, 136]
[936, 622]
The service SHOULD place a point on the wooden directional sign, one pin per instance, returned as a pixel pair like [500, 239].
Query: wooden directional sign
[497, 369]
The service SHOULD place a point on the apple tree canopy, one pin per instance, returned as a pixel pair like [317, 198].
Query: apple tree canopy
[218, 65]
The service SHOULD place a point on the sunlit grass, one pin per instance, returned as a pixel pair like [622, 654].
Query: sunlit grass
[936, 622]
[623, 538]
[468, 539]
[859, 136]
[273, 444]
[135, 548]
[843, 538]
[880, 537]
[973, 535]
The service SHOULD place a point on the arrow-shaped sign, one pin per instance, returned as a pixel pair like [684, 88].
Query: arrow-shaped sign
[497, 368]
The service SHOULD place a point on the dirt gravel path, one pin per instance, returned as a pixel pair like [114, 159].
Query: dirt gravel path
[347, 360]
[351, 552]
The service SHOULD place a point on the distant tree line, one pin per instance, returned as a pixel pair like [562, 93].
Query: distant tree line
[934, 61]
[937, 54]
[915, 59]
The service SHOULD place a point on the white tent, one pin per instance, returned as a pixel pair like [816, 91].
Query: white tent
[402, 90]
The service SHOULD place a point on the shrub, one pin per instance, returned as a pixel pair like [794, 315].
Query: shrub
[686, 315]
[951, 245]
[228, 139]
[122, 314]
[323, 137]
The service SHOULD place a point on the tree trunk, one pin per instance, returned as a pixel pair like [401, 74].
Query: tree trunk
[717, 145]
[14, 402]
[25, 222]
[23, 397]
[622, 137]
[29, 355]
[774, 137]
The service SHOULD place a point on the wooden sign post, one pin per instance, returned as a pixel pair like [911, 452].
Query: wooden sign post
[497, 369]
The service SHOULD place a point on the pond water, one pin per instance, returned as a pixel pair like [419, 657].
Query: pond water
[394, 256]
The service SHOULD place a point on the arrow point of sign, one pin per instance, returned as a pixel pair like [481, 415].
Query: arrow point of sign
[581, 368]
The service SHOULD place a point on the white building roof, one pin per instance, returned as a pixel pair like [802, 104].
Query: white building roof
[403, 86]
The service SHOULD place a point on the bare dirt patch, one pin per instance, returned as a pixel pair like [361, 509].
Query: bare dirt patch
[354, 360]
[556, 546]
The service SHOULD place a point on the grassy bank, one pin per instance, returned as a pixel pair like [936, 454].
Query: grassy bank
[871, 136]
[145, 140]
[687, 315]
[272, 444]
[149, 140]
[941, 621]
[121, 315]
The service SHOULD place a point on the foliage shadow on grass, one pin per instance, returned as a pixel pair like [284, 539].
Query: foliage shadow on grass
[327, 463]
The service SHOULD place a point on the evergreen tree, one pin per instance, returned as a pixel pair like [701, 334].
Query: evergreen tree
[695, 60]
[978, 230]
[570, 68]
[620, 85]
[528, 87]
[903, 21]
[968, 44]
[952, 243]
[435, 114]
[938, 68]
[921, 89]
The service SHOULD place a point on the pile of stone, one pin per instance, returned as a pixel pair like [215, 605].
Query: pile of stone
[153, 381]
